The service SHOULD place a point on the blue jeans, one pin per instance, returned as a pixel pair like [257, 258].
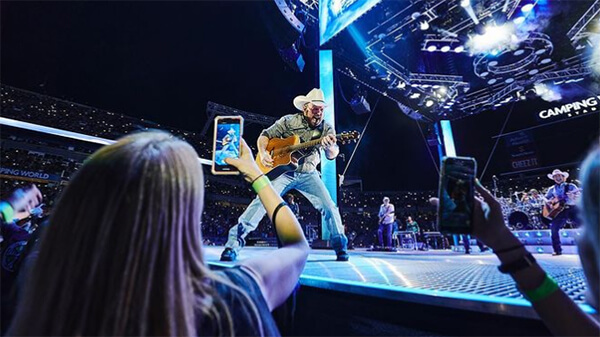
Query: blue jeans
[384, 233]
[312, 187]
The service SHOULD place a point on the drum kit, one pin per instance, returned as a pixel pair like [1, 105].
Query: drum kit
[522, 214]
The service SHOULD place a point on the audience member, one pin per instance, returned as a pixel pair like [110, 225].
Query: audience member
[560, 314]
[123, 252]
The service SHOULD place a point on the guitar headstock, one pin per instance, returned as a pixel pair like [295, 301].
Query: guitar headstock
[348, 136]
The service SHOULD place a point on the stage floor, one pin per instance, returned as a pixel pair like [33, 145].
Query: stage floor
[440, 278]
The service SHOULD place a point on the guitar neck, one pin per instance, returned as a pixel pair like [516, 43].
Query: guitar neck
[306, 145]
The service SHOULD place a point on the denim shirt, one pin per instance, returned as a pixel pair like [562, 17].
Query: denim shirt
[558, 191]
[295, 124]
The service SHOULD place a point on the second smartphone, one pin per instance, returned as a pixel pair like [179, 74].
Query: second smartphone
[457, 195]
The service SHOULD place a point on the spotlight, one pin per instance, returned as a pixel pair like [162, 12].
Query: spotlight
[428, 103]
[459, 49]
[445, 49]
[414, 95]
[519, 20]
[527, 8]
[465, 3]
[443, 90]
[431, 48]
[424, 25]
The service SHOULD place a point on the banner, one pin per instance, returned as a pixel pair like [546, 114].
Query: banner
[522, 151]
[588, 105]
[18, 173]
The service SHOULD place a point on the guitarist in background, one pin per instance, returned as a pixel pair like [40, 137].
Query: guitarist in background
[308, 125]
[386, 221]
[558, 196]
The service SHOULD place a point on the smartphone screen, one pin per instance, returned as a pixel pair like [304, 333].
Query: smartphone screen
[456, 195]
[226, 143]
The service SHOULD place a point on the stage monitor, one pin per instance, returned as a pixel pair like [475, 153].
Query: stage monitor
[335, 15]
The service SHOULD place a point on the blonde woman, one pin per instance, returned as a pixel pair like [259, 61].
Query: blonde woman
[123, 255]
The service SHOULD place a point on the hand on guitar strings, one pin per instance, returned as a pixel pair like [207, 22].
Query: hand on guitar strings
[328, 141]
[245, 163]
[265, 158]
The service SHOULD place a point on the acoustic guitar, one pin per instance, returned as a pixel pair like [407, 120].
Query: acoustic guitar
[286, 152]
[553, 207]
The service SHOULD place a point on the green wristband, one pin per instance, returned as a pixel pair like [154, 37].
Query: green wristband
[547, 288]
[7, 211]
[260, 183]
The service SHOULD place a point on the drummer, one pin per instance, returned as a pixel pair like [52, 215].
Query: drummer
[534, 198]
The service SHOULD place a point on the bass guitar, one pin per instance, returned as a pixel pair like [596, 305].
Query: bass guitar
[286, 152]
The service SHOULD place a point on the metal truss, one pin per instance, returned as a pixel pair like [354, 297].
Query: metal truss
[289, 15]
[450, 80]
[215, 109]
[576, 32]
[562, 74]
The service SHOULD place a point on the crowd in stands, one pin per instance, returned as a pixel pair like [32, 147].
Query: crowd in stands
[50, 111]
[38, 162]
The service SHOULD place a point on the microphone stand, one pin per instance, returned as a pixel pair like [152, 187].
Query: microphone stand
[495, 189]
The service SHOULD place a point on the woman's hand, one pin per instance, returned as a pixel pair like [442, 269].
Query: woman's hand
[245, 163]
[488, 221]
[25, 199]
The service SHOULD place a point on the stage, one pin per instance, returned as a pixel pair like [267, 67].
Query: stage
[445, 280]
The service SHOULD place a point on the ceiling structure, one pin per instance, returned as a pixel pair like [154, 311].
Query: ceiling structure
[447, 59]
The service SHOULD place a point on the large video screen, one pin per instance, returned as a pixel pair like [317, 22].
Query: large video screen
[335, 15]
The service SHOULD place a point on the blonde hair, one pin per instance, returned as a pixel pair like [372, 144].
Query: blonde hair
[122, 254]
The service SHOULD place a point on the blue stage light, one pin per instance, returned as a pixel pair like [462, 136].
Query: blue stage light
[448, 138]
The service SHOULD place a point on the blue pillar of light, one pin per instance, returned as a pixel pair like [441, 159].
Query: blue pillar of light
[328, 168]
[448, 138]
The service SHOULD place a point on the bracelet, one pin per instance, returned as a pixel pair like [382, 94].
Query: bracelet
[260, 182]
[255, 179]
[523, 262]
[547, 288]
[506, 250]
[7, 211]
[283, 203]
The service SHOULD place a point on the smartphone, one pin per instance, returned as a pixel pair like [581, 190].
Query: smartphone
[227, 143]
[457, 195]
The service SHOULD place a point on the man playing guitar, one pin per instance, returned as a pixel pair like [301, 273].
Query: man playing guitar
[386, 220]
[308, 124]
[560, 205]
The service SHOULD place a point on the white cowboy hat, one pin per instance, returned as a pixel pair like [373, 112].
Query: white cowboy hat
[557, 171]
[315, 96]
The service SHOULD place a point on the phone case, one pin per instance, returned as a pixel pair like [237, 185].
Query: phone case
[216, 122]
[452, 229]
